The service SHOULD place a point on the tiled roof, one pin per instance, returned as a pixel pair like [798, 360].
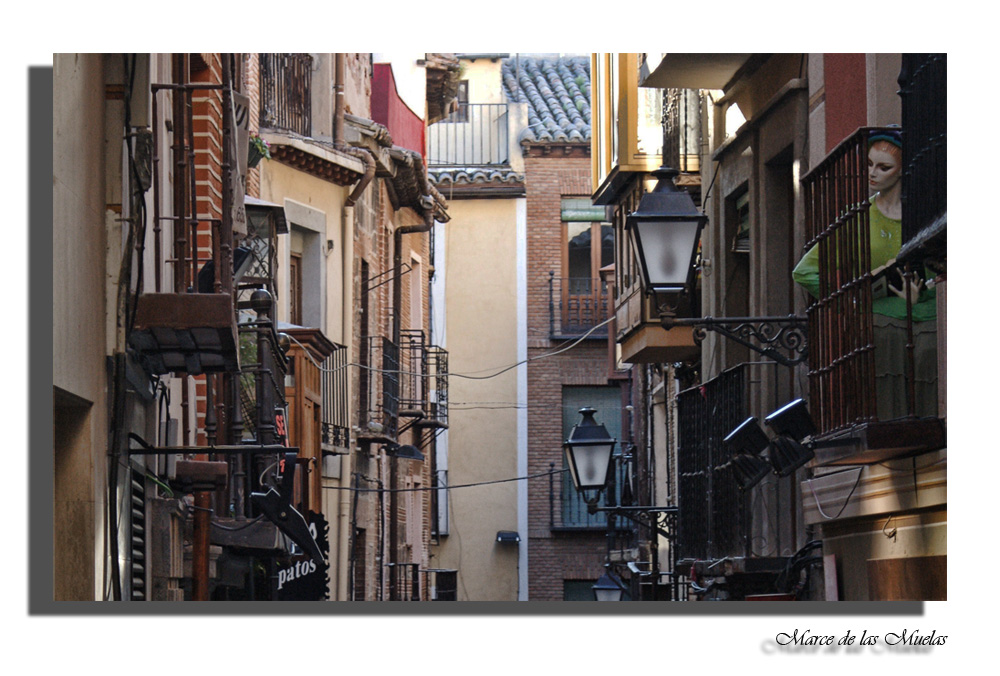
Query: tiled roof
[474, 175]
[557, 91]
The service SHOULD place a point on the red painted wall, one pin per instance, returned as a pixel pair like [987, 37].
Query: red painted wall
[845, 96]
[388, 109]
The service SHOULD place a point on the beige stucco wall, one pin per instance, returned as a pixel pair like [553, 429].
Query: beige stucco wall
[481, 255]
[78, 247]
[78, 313]
[321, 207]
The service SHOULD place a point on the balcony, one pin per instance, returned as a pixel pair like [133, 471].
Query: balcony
[576, 306]
[423, 370]
[285, 92]
[404, 581]
[335, 424]
[863, 416]
[379, 407]
[567, 509]
[714, 519]
[475, 135]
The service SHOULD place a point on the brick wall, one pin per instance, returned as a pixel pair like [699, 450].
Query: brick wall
[554, 557]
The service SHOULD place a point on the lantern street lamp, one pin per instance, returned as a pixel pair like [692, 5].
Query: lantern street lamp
[589, 454]
[665, 232]
[608, 588]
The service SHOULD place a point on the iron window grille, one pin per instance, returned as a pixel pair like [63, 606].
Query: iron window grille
[379, 388]
[714, 515]
[335, 424]
[285, 92]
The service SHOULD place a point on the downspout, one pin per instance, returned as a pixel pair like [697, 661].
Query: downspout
[348, 508]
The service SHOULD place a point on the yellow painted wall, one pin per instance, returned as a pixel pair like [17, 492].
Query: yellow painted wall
[278, 182]
[481, 255]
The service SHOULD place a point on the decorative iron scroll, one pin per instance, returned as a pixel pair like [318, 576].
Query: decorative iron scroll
[782, 339]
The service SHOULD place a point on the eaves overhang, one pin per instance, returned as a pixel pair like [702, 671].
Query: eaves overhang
[697, 71]
[314, 157]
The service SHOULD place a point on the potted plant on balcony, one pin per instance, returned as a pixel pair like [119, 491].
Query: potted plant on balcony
[258, 150]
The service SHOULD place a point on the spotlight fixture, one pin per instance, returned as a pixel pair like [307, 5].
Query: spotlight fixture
[405, 452]
[745, 444]
[747, 438]
[749, 470]
[787, 455]
[793, 425]
[792, 420]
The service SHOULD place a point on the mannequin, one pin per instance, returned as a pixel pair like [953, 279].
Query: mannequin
[885, 157]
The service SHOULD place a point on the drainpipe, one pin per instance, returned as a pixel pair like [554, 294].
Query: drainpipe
[348, 508]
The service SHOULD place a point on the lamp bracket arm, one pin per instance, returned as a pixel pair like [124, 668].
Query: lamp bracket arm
[782, 339]
[658, 519]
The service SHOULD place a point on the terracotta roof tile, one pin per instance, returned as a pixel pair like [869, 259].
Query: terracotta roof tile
[557, 91]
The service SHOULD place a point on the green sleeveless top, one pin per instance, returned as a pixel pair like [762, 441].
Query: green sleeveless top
[885, 236]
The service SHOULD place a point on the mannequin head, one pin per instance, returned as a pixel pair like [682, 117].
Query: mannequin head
[885, 161]
[884, 166]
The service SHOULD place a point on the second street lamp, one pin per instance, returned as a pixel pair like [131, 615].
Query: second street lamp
[589, 452]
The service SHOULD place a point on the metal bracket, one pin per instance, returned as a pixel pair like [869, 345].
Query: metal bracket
[654, 518]
[782, 339]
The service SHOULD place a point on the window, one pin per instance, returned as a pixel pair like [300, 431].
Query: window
[461, 114]
[578, 590]
[589, 246]
[295, 289]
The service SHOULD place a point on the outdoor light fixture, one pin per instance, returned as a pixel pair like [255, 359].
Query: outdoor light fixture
[608, 588]
[242, 258]
[265, 217]
[789, 449]
[793, 425]
[589, 454]
[404, 452]
[665, 232]
[745, 444]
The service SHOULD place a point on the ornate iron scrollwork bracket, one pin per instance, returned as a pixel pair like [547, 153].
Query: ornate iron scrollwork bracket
[782, 339]
[659, 519]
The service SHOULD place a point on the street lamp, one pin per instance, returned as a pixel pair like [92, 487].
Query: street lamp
[589, 453]
[665, 231]
[608, 588]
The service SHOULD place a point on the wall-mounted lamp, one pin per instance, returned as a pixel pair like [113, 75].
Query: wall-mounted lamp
[665, 231]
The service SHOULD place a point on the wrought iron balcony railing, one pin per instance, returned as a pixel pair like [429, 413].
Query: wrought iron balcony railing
[404, 581]
[413, 373]
[474, 135]
[423, 393]
[379, 408]
[577, 305]
[567, 509]
[923, 82]
[714, 516]
[437, 382]
[336, 426]
[285, 92]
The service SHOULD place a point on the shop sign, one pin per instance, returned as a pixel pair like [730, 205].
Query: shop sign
[300, 577]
